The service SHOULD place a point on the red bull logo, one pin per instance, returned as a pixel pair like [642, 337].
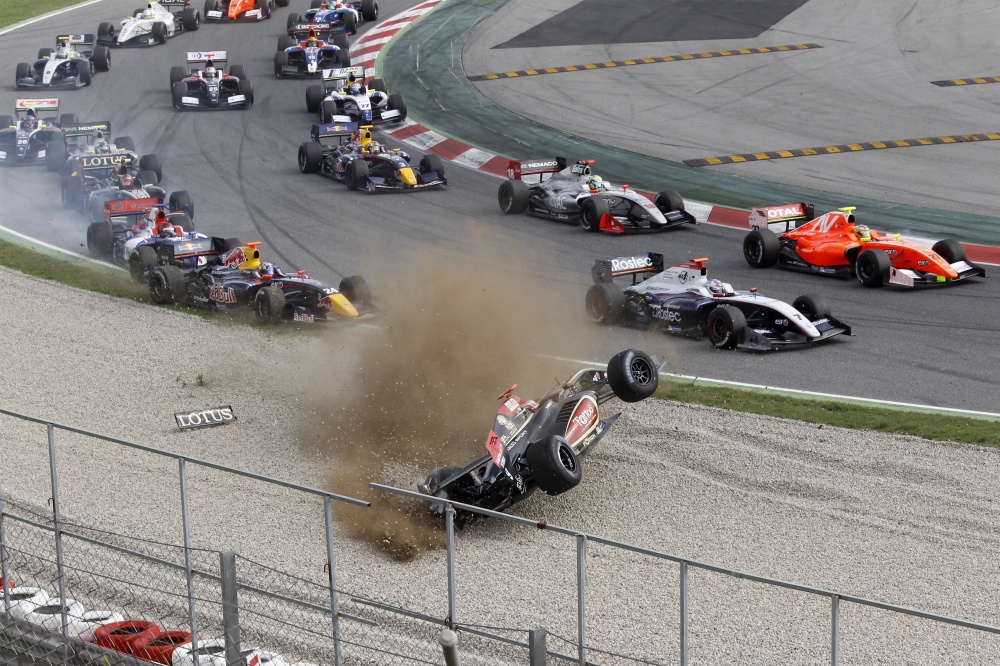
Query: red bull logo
[234, 258]
[221, 294]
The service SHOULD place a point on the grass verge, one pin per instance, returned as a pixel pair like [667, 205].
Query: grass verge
[15, 11]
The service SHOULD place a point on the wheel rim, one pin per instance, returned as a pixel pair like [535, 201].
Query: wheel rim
[642, 371]
[505, 200]
[755, 251]
[566, 458]
[717, 329]
[158, 288]
[864, 270]
[302, 160]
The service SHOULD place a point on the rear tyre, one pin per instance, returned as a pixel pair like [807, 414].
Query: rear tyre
[726, 326]
[147, 179]
[761, 248]
[554, 465]
[190, 18]
[55, 155]
[105, 30]
[344, 57]
[950, 250]
[513, 197]
[141, 262]
[432, 163]
[166, 285]
[378, 84]
[280, 62]
[632, 375]
[72, 191]
[281, 3]
[239, 71]
[357, 174]
[350, 24]
[355, 289]
[268, 305]
[592, 209]
[67, 119]
[176, 74]
[7, 121]
[160, 33]
[314, 98]
[397, 102]
[181, 220]
[125, 143]
[292, 20]
[812, 306]
[872, 268]
[44, 53]
[181, 201]
[315, 4]
[151, 163]
[605, 303]
[668, 201]
[369, 10]
[100, 240]
[340, 41]
[310, 157]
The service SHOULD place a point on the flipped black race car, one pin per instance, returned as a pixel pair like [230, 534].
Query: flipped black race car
[538, 445]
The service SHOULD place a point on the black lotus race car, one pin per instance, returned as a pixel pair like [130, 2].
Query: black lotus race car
[539, 445]
[239, 280]
[574, 193]
[363, 164]
[210, 88]
[682, 300]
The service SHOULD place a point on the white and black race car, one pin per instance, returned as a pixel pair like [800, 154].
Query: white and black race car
[573, 193]
[152, 25]
[25, 136]
[212, 87]
[344, 93]
[683, 300]
[66, 66]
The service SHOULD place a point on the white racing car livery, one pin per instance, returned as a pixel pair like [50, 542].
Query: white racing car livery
[344, 94]
[65, 66]
[152, 25]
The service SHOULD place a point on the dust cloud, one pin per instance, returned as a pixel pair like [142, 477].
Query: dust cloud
[459, 331]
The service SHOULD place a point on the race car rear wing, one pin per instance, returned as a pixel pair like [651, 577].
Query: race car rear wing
[791, 215]
[129, 207]
[306, 27]
[76, 40]
[22, 106]
[196, 57]
[516, 170]
[605, 270]
[88, 129]
[333, 131]
[94, 162]
[344, 73]
[174, 3]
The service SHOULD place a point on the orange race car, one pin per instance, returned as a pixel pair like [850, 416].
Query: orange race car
[833, 244]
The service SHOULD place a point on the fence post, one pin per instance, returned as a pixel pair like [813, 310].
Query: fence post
[188, 566]
[57, 524]
[449, 523]
[536, 647]
[3, 558]
[448, 640]
[230, 608]
[835, 630]
[581, 596]
[685, 655]
[338, 657]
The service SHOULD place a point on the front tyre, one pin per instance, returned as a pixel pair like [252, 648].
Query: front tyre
[872, 268]
[812, 306]
[726, 326]
[141, 262]
[592, 209]
[355, 289]
[950, 250]
[431, 163]
[356, 174]
[632, 375]
[310, 157]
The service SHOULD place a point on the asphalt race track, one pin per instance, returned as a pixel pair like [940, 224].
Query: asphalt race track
[933, 347]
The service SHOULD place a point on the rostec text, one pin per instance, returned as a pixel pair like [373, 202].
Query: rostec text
[666, 314]
[631, 263]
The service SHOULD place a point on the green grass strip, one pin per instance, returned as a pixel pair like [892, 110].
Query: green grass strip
[15, 11]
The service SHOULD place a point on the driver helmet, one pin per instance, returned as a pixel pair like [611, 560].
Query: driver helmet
[29, 120]
[267, 269]
[312, 39]
[595, 182]
[324, 5]
[374, 147]
[715, 286]
[863, 232]
[148, 11]
[126, 179]
[210, 71]
[167, 231]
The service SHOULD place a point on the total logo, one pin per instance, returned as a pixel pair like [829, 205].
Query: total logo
[631, 263]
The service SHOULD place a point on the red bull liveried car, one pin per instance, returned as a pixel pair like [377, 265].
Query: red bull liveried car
[539, 445]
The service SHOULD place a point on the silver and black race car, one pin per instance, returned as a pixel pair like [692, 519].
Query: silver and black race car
[25, 136]
[362, 163]
[682, 300]
[151, 25]
[211, 87]
[574, 193]
[539, 445]
[65, 66]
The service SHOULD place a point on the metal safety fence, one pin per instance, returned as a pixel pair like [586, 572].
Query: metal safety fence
[73, 578]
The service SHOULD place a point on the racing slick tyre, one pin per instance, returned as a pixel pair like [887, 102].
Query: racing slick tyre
[350, 24]
[105, 30]
[124, 143]
[554, 465]
[141, 262]
[340, 41]
[315, 4]
[181, 201]
[327, 111]
[269, 305]
[668, 201]
[285, 41]
[951, 250]
[211, 6]
[265, 8]
[726, 326]
[166, 285]
[378, 84]
[190, 18]
[314, 98]
[24, 71]
[151, 163]
[357, 174]
[44, 53]
[8, 121]
[102, 55]
[605, 303]
[84, 75]
[181, 220]
[160, 32]
[344, 57]
[397, 102]
[293, 19]
[369, 10]
[280, 62]
[592, 209]
[432, 163]
[812, 306]
[147, 179]
[281, 3]
[355, 289]
[513, 197]
[239, 71]
[230, 244]
[55, 155]
[761, 248]
[176, 74]
[137, 13]
[72, 191]
[177, 91]
[100, 239]
[872, 268]
[310, 157]
[632, 375]
[246, 89]
[67, 119]
[434, 479]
